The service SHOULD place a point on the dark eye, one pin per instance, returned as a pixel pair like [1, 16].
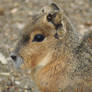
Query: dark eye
[39, 37]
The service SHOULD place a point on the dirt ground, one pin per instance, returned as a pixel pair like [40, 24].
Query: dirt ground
[14, 15]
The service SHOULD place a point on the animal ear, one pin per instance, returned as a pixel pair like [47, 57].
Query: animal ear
[50, 8]
[54, 6]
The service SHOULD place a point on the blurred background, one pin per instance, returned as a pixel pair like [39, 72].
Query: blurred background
[14, 15]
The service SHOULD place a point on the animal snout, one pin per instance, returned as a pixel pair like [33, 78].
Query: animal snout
[17, 60]
[13, 57]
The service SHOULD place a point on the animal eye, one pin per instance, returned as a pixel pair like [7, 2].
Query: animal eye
[26, 38]
[39, 38]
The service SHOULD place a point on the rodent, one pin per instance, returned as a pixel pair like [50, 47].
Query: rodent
[52, 49]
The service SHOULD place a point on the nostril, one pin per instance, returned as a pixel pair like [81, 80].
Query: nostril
[14, 57]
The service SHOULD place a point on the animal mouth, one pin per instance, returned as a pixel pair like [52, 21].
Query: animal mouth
[18, 62]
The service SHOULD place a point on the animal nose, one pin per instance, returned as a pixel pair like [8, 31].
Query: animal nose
[13, 56]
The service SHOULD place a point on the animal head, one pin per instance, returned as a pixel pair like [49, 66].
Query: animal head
[43, 39]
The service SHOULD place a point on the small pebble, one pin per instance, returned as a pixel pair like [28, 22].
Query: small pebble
[1, 11]
[20, 25]
[17, 82]
[13, 11]
[4, 74]
[3, 59]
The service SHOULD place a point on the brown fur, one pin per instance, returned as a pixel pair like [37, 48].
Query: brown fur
[57, 64]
